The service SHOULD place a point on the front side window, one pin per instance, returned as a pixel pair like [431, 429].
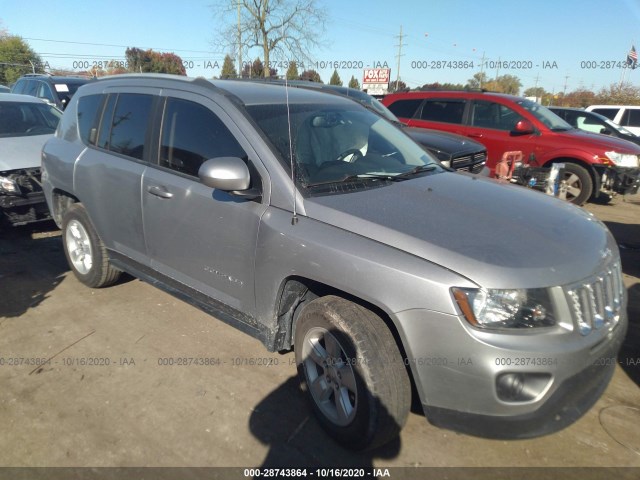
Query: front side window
[447, 111]
[129, 126]
[494, 115]
[192, 134]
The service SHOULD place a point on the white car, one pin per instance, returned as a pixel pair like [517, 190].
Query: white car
[26, 123]
[627, 116]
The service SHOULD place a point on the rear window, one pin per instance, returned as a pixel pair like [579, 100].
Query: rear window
[87, 117]
[124, 125]
[448, 111]
[405, 108]
[631, 118]
[610, 113]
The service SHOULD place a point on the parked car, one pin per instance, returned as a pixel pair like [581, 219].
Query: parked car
[26, 123]
[594, 122]
[53, 89]
[454, 151]
[505, 123]
[627, 116]
[4, 89]
[310, 222]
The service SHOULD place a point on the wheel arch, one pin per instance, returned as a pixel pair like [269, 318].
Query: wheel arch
[60, 203]
[296, 291]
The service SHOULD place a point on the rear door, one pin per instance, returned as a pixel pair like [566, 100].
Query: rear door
[108, 176]
[442, 114]
[201, 237]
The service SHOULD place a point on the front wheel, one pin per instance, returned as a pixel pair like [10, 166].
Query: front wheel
[578, 184]
[85, 252]
[353, 372]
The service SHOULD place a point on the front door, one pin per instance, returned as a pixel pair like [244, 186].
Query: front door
[198, 236]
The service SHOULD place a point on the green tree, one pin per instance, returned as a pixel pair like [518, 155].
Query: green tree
[397, 86]
[145, 61]
[478, 80]
[282, 29]
[17, 58]
[292, 71]
[354, 83]
[335, 78]
[228, 68]
[311, 75]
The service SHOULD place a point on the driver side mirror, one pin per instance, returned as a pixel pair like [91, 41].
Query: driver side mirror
[523, 127]
[228, 174]
[605, 131]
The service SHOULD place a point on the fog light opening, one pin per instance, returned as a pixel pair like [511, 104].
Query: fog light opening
[521, 387]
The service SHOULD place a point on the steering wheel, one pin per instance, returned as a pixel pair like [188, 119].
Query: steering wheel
[355, 153]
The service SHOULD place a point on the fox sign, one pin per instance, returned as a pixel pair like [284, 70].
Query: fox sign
[376, 75]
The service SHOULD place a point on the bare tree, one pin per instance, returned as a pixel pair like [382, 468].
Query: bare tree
[285, 30]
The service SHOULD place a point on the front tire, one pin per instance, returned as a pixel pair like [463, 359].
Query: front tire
[578, 184]
[353, 372]
[85, 252]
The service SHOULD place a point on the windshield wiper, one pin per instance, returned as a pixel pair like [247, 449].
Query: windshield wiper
[377, 176]
[416, 170]
[351, 178]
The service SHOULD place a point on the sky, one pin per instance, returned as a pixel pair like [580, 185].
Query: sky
[558, 45]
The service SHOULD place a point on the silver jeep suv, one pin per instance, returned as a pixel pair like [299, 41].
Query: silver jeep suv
[311, 223]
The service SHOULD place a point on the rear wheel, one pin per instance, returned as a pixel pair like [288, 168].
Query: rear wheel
[353, 372]
[85, 252]
[578, 184]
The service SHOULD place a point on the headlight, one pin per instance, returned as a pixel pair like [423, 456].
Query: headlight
[8, 185]
[442, 157]
[517, 308]
[623, 159]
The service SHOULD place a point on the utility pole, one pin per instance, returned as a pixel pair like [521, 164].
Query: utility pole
[400, 45]
[481, 69]
[239, 44]
[564, 91]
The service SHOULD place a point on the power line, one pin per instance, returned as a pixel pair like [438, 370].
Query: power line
[112, 45]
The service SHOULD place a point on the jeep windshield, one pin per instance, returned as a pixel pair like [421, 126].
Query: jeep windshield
[340, 144]
[546, 116]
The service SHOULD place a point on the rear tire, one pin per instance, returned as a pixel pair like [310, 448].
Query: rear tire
[85, 252]
[579, 184]
[353, 372]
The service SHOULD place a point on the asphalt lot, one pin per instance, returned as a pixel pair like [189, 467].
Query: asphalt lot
[109, 398]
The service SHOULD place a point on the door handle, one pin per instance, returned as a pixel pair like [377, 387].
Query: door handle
[475, 135]
[161, 192]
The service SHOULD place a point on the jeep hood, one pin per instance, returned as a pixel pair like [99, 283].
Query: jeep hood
[495, 234]
[21, 152]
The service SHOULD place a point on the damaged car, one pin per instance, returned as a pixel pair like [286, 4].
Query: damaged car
[26, 123]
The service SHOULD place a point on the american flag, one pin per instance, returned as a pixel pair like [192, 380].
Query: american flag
[632, 57]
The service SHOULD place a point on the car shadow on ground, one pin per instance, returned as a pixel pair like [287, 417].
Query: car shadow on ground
[628, 239]
[32, 264]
